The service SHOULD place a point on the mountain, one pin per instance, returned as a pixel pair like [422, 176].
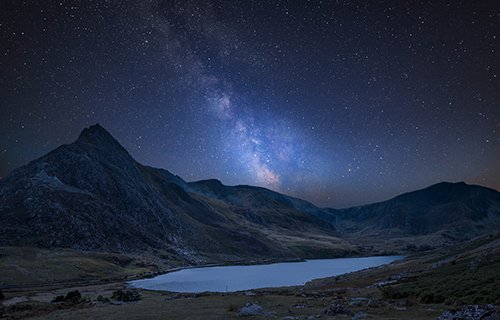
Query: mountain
[449, 212]
[92, 195]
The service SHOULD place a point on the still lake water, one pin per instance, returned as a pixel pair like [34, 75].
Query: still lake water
[245, 277]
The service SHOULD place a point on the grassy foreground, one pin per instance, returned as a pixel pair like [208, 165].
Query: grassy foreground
[419, 287]
[30, 267]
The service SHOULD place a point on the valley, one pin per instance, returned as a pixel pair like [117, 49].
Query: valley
[88, 218]
[422, 286]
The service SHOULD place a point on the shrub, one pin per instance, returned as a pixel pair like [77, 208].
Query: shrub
[102, 299]
[58, 299]
[431, 298]
[126, 296]
[393, 293]
[71, 297]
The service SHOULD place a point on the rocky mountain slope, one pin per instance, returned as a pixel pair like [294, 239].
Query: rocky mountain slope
[92, 195]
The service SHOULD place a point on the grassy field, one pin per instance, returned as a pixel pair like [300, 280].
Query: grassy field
[420, 287]
[280, 303]
[472, 278]
[25, 266]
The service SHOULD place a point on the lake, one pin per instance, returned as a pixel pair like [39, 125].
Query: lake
[245, 277]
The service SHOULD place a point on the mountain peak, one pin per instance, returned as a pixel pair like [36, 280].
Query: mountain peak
[447, 186]
[93, 132]
[100, 139]
[97, 136]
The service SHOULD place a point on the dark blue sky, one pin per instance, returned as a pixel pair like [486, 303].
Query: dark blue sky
[338, 102]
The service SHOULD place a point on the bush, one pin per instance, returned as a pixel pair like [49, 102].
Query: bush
[126, 296]
[393, 293]
[1, 295]
[431, 298]
[71, 297]
[58, 299]
[102, 299]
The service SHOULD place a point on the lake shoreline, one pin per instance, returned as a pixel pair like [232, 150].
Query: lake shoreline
[257, 262]
[324, 267]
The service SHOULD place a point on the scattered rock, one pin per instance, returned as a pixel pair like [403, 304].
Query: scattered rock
[360, 301]
[472, 312]
[359, 315]
[398, 308]
[336, 309]
[251, 309]
[390, 280]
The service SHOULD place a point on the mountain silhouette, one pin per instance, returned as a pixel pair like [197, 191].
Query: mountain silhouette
[92, 195]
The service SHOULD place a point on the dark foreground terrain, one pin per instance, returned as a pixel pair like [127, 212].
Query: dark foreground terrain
[423, 286]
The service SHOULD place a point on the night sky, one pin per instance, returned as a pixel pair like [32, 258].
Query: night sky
[338, 102]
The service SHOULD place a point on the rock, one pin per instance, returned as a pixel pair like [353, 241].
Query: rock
[336, 309]
[472, 312]
[398, 308]
[251, 309]
[359, 301]
[359, 315]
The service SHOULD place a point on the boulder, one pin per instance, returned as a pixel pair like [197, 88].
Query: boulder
[359, 301]
[359, 315]
[336, 309]
[472, 312]
[251, 309]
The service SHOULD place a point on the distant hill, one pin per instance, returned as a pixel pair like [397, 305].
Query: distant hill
[449, 212]
[92, 195]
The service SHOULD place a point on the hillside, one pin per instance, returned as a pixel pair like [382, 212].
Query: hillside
[442, 214]
[92, 195]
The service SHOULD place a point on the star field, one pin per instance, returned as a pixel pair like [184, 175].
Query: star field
[338, 102]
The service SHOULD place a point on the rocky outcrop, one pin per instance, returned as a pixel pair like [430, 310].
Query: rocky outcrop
[335, 309]
[92, 195]
[473, 312]
[252, 309]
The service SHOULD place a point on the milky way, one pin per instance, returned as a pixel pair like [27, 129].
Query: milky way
[338, 102]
